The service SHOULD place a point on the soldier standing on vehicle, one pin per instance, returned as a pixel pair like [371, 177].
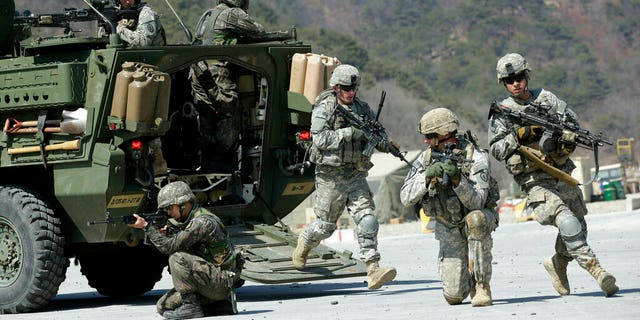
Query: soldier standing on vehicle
[462, 201]
[202, 260]
[146, 31]
[341, 171]
[229, 23]
[552, 200]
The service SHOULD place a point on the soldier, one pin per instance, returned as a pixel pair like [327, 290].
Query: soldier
[462, 201]
[229, 23]
[202, 260]
[341, 171]
[147, 31]
[553, 201]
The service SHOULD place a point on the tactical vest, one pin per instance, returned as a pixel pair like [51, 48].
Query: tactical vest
[517, 164]
[210, 35]
[219, 253]
[446, 206]
[494, 189]
[350, 152]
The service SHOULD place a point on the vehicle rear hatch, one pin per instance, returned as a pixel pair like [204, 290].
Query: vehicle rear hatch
[268, 250]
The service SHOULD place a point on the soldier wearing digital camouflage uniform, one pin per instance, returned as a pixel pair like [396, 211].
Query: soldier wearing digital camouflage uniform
[229, 23]
[341, 171]
[202, 260]
[553, 201]
[461, 200]
[146, 31]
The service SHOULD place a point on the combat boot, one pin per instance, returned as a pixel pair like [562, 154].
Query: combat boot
[453, 301]
[300, 254]
[556, 266]
[482, 296]
[189, 309]
[606, 280]
[379, 276]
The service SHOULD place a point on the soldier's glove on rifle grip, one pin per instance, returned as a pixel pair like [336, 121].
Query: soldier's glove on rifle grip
[385, 146]
[529, 133]
[451, 169]
[434, 170]
[568, 142]
[357, 134]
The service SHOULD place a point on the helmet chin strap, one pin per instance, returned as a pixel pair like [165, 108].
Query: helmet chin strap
[181, 207]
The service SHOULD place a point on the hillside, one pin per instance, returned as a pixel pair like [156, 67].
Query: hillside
[443, 53]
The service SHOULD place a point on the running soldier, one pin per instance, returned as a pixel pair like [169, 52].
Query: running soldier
[553, 200]
[341, 171]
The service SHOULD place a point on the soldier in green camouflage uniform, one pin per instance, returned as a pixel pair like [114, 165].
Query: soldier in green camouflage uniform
[462, 201]
[146, 31]
[553, 201]
[341, 171]
[201, 257]
[229, 23]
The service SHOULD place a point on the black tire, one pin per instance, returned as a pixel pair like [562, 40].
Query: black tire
[121, 271]
[32, 260]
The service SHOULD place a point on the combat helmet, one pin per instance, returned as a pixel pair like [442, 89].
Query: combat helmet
[345, 75]
[440, 121]
[511, 64]
[176, 192]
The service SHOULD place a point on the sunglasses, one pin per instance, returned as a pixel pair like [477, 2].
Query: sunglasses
[516, 78]
[348, 88]
[432, 135]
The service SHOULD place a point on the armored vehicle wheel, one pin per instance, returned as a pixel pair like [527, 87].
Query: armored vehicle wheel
[123, 271]
[32, 261]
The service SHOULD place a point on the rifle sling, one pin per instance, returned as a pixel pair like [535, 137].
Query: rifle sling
[555, 172]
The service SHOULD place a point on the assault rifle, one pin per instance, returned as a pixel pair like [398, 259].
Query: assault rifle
[374, 131]
[158, 218]
[541, 116]
[449, 154]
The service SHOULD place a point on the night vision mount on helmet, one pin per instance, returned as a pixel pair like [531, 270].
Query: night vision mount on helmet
[510, 65]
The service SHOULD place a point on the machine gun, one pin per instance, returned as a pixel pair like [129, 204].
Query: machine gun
[290, 35]
[64, 20]
[540, 116]
[158, 218]
[374, 131]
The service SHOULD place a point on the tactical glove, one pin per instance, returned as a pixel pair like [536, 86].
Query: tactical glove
[568, 142]
[567, 148]
[127, 23]
[435, 170]
[357, 134]
[548, 142]
[529, 133]
[386, 146]
[451, 169]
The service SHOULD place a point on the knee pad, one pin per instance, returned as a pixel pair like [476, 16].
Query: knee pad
[177, 258]
[368, 226]
[570, 230]
[477, 224]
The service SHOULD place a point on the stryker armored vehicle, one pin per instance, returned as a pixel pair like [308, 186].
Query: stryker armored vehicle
[92, 129]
